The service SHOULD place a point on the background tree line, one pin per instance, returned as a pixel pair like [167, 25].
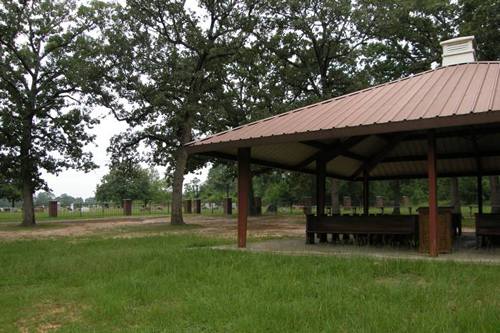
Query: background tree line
[283, 188]
[174, 73]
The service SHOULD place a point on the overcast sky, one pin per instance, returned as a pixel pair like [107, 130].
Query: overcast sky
[81, 184]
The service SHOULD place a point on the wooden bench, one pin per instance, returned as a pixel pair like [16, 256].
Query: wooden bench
[487, 226]
[396, 225]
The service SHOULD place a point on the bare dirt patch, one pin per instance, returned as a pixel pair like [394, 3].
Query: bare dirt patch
[48, 317]
[258, 227]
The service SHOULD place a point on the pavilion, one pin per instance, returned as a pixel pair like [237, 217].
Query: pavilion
[443, 122]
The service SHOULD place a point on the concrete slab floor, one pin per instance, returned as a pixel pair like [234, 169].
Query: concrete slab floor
[464, 250]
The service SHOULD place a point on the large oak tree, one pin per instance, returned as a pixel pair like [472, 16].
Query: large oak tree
[43, 119]
[164, 76]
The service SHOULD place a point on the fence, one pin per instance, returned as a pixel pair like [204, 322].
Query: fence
[55, 210]
[225, 207]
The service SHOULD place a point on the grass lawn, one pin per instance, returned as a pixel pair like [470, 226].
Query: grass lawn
[174, 283]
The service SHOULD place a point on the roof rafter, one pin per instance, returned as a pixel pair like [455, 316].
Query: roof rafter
[331, 151]
[271, 164]
[371, 163]
[325, 146]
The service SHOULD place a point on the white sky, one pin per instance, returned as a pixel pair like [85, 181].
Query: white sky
[81, 184]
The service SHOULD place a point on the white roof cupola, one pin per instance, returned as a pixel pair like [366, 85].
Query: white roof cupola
[459, 50]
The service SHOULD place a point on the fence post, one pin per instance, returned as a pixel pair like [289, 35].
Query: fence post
[197, 206]
[53, 208]
[188, 207]
[228, 206]
[258, 206]
[127, 207]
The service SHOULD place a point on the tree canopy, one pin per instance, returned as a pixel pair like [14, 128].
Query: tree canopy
[131, 182]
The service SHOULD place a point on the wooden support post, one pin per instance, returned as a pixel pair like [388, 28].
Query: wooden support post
[320, 186]
[479, 167]
[52, 208]
[433, 205]
[197, 206]
[244, 180]
[258, 206]
[188, 208]
[320, 192]
[479, 193]
[228, 206]
[366, 193]
[127, 207]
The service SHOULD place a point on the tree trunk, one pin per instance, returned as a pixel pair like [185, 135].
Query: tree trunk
[335, 197]
[455, 196]
[397, 198]
[180, 167]
[27, 172]
[495, 195]
[13, 203]
[28, 207]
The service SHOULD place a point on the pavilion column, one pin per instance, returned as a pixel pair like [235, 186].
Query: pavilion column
[244, 180]
[433, 205]
[479, 193]
[320, 186]
[366, 193]
[320, 193]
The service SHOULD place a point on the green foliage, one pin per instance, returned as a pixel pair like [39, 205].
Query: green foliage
[315, 46]
[9, 191]
[220, 183]
[65, 200]
[481, 18]
[405, 36]
[131, 182]
[43, 198]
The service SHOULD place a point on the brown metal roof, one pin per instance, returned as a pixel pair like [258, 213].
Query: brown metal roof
[443, 99]
[452, 91]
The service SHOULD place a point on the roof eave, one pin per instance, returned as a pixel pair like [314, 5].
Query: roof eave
[476, 118]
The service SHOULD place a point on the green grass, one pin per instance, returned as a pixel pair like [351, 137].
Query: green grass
[63, 216]
[176, 284]
[42, 225]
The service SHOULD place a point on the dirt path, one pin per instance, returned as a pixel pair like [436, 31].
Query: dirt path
[264, 226]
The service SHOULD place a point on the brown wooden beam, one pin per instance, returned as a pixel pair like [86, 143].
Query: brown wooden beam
[320, 187]
[444, 156]
[479, 167]
[334, 150]
[325, 147]
[433, 205]
[480, 194]
[244, 179]
[459, 132]
[376, 158]
[317, 144]
[276, 165]
[441, 175]
[366, 193]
